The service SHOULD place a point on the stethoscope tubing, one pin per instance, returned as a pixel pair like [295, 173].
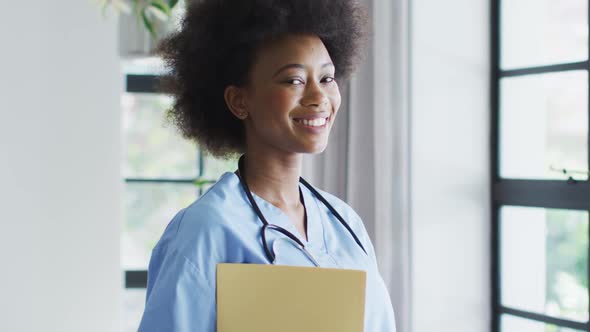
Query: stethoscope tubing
[271, 257]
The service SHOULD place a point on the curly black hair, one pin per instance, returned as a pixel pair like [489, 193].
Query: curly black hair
[215, 47]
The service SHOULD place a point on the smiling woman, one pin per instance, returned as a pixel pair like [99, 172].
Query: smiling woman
[259, 78]
[223, 43]
[288, 108]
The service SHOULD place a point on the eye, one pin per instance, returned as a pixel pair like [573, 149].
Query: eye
[295, 81]
[328, 79]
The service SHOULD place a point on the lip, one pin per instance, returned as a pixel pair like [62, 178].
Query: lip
[314, 130]
[313, 116]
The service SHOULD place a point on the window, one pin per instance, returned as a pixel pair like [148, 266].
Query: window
[540, 162]
[160, 171]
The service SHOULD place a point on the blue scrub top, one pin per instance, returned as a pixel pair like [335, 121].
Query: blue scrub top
[222, 227]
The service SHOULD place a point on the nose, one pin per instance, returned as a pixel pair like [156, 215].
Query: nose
[314, 95]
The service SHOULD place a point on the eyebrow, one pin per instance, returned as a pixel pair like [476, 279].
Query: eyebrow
[299, 66]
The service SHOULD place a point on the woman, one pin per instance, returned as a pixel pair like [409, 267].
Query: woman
[259, 78]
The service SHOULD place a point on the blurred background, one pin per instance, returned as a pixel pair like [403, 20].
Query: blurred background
[462, 142]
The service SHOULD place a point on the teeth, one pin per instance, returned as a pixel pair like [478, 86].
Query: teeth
[313, 123]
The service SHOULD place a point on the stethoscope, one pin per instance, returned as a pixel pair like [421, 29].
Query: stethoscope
[266, 225]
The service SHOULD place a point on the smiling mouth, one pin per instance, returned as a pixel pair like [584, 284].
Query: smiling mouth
[315, 123]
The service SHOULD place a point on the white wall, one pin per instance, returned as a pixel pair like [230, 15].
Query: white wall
[450, 165]
[60, 210]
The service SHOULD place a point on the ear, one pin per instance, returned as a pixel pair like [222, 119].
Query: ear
[235, 99]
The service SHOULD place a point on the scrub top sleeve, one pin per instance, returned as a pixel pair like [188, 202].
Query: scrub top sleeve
[179, 298]
[359, 228]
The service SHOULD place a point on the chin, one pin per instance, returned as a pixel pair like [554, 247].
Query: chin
[316, 149]
[308, 146]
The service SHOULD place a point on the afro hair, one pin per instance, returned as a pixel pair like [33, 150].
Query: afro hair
[216, 47]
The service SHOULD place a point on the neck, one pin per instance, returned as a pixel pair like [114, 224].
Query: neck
[274, 177]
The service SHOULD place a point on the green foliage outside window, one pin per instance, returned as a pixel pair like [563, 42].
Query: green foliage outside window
[567, 267]
[151, 13]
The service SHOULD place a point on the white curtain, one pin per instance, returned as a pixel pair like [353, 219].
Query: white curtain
[367, 162]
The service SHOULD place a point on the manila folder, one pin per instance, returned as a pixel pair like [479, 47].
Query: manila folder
[279, 298]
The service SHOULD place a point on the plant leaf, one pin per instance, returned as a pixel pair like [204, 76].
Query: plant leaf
[148, 24]
[136, 8]
[162, 6]
[157, 13]
[121, 6]
[172, 3]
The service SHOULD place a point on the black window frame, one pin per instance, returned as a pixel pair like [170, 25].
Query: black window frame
[556, 194]
[134, 83]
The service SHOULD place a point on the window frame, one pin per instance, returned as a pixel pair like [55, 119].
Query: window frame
[557, 194]
[141, 83]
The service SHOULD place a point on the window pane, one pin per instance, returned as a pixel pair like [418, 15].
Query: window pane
[516, 324]
[544, 255]
[542, 32]
[213, 168]
[544, 124]
[153, 147]
[143, 66]
[133, 305]
[149, 208]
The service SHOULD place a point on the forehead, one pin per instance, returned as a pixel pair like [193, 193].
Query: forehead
[308, 50]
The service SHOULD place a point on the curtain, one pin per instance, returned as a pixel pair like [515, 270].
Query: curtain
[367, 162]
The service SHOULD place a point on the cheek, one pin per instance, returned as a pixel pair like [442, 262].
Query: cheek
[335, 98]
[279, 100]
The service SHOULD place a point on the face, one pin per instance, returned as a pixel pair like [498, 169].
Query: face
[292, 97]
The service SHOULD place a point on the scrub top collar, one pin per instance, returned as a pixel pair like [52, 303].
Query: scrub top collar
[274, 215]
